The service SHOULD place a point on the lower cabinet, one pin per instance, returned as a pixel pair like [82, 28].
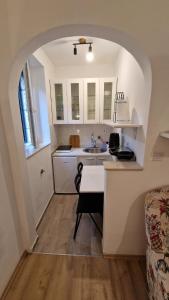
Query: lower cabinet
[87, 161]
[101, 159]
[93, 160]
[64, 169]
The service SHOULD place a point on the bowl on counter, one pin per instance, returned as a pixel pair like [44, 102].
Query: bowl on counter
[95, 150]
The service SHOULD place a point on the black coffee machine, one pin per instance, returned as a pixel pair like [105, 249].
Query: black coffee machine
[122, 153]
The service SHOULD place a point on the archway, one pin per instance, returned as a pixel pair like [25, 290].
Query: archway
[110, 34]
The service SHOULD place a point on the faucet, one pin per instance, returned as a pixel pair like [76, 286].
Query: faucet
[93, 140]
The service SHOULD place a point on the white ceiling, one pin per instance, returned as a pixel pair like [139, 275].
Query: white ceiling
[60, 52]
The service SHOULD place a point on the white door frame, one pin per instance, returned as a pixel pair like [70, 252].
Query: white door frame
[15, 142]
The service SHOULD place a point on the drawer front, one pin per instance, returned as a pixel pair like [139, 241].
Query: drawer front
[87, 161]
[101, 159]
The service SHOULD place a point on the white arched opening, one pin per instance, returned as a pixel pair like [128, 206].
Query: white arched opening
[56, 33]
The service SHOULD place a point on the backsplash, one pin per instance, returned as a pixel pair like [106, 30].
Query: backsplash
[64, 131]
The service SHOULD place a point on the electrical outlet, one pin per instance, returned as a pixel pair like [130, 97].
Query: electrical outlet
[78, 131]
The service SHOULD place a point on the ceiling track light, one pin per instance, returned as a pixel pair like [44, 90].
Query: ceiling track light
[82, 41]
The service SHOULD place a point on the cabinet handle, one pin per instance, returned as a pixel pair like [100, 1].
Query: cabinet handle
[66, 162]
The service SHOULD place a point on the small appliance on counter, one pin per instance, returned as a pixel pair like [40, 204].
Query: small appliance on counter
[122, 153]
[114, 141]
[63, 148]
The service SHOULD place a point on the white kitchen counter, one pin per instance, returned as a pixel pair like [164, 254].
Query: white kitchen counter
[93, 176]
[80, 152]
[92, 179]
[117, 165]
[112, 164]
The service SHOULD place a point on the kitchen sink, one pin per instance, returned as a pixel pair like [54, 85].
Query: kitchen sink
[94, 150]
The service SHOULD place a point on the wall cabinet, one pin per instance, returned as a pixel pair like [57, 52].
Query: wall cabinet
[107, 98]
[59, 103]
[83, 101]
[91, 101]
[64, 169]
[75, 101]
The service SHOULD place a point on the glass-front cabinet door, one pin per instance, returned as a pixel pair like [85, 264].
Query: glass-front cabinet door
[75, 101]
[60, 103]
[107, 98]
[91, 101]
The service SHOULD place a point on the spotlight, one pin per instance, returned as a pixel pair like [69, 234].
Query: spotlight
[90, 48]
[75, 50]
[90, 55]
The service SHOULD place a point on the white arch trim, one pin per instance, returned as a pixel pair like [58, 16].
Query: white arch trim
[108, 33]
[111, 34]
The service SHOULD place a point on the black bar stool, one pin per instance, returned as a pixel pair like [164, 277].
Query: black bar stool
[89, 203]
[79, 167]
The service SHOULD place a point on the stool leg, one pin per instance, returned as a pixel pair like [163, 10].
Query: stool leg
[95, 224]
[78, 218]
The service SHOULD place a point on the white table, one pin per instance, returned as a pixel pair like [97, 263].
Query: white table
[92, 180]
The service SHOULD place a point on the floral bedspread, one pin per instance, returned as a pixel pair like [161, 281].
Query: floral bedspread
[157, 232]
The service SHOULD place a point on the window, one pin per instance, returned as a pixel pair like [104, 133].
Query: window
[33, 106]
[25, 108]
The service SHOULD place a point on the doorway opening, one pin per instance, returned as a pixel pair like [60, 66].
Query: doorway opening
[59, 66]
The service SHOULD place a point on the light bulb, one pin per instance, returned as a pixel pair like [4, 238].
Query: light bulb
[89, 56]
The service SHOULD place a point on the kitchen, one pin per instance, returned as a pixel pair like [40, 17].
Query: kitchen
[88, 102]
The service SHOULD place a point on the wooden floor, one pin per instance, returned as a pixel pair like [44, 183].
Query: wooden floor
[62, 277]
[57, 226]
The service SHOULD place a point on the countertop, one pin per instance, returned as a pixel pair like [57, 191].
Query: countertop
[92, 179]
[79, 152]
[112, 164]
[122, 165]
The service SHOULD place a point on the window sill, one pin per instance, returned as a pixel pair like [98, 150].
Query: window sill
[31, 150]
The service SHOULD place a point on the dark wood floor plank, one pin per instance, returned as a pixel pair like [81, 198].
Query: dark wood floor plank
[25, 272]
[62, 277]
[126, 283]
[117, 288]
[138, 279]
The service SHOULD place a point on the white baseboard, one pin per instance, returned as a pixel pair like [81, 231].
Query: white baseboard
[34, 243]
[46, 206]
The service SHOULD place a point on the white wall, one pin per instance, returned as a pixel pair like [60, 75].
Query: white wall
[85, 71]
[39, 101]
[18, 30]
[49, 71]
[131, 82]
[41, 185]
[9, 242]
[124, 226]
[85, 131]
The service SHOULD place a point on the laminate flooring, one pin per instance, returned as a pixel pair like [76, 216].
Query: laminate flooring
[63, 277]
[57, 227]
